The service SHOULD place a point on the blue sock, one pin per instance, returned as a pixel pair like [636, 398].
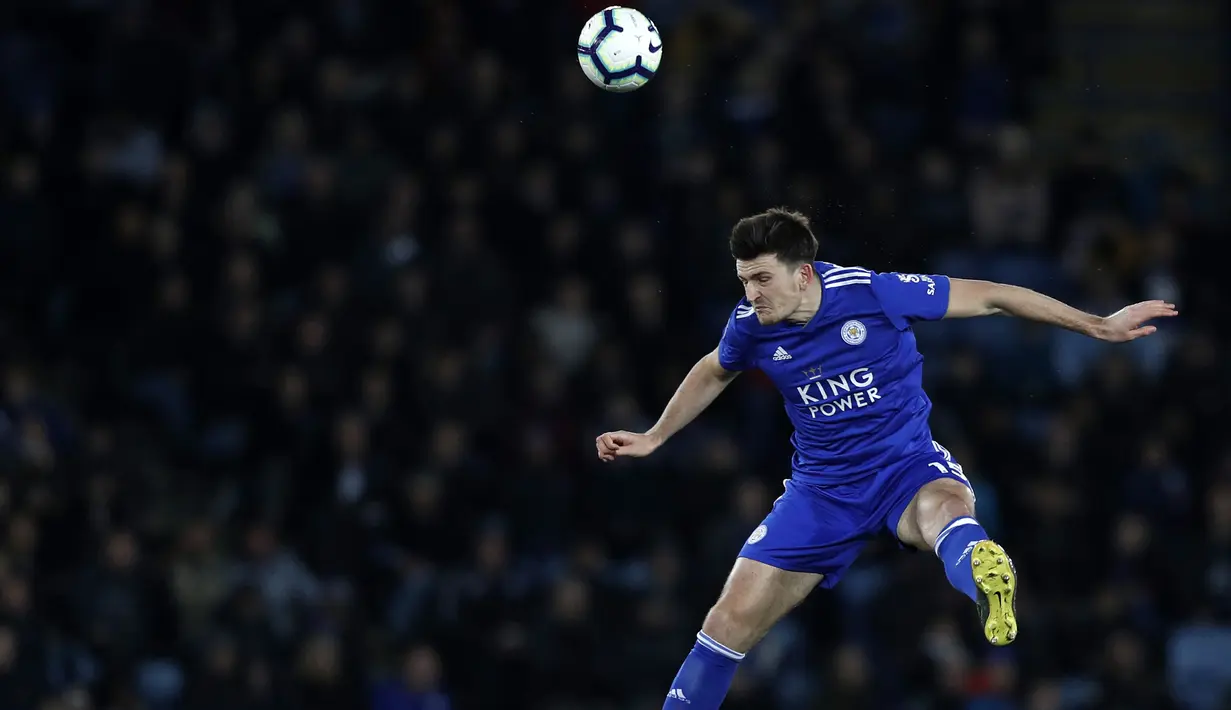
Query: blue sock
[705, 677]
[953, 546]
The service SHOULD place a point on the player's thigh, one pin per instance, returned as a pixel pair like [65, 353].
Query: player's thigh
[755, 596]
[937, 492]
[808, 539]
[809, 530]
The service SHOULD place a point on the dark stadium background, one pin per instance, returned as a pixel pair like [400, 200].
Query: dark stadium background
[311, 310]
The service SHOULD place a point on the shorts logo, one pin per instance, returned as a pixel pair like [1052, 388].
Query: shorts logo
[854, 332]
[757, 535]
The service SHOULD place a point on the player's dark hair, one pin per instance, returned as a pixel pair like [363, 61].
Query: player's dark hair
[779, 231]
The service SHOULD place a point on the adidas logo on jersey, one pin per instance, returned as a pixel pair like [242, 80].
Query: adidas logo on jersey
[677, 694]
[781, 354]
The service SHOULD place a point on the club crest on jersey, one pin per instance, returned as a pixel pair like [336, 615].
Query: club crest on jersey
[854, 332]
[757, 535]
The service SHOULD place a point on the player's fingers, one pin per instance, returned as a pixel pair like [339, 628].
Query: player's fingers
[627, 444]
[1141, 332]
[614, 444]
[1152, 314]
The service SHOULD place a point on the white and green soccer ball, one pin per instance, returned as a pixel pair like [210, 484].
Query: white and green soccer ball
[619, 49]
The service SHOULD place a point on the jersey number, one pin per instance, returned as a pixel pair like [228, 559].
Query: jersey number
[949, 466]
[953, 468]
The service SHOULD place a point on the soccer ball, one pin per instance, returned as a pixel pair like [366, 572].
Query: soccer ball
[619, 49]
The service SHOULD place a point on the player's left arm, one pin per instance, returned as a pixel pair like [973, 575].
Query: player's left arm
[969, 298]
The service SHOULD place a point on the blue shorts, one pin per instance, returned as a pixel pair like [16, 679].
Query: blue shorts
[822, 529]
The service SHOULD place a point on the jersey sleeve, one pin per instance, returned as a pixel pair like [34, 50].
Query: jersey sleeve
[734, 348]
[907, 298]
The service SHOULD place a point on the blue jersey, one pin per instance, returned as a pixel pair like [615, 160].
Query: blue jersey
[852, 377]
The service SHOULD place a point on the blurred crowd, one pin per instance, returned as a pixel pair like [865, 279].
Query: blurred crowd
[312, 309]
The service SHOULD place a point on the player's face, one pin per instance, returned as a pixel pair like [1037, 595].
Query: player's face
[775, 289]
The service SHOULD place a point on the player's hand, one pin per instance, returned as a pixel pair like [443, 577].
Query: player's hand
[615, 444]
[1127, 323]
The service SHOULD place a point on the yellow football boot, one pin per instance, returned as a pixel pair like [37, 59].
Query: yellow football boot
[996, 584]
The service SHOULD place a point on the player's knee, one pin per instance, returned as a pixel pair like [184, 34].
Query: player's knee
[944, 500]
[939, 506]
[947, 507]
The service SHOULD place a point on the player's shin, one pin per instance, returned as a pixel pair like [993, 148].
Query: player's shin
[953, 547]
[705, 677]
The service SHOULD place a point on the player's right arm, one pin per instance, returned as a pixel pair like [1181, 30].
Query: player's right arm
[704, 382]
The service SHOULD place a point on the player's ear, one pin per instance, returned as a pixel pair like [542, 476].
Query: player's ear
[806, 275]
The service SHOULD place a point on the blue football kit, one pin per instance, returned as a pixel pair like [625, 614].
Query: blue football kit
[852, 383]
[851, 379]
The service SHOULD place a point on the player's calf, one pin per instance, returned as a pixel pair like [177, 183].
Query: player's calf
[755, 597]
[941, 517]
